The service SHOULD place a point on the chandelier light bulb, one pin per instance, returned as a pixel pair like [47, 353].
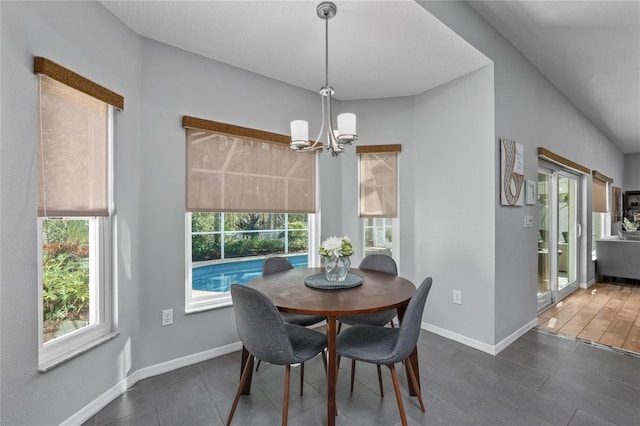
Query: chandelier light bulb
[299, 134]
[347, 126]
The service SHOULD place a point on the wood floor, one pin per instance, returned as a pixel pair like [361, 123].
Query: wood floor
[607, 313]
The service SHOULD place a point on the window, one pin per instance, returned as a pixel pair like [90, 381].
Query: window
[74, 205]
[601, 215]
[229, 248]
[378, 176]
[248, 195]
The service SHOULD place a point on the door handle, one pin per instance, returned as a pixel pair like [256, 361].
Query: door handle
[579, 228]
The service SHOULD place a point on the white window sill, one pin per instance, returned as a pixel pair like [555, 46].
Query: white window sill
[208, 306]
[69, 355]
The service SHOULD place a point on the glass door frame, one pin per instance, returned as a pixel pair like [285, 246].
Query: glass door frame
[554, 294]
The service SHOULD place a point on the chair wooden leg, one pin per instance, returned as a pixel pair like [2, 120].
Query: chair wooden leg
[415, 383]
[258, 365]
[301, 377]
[396, 387]
[285, 402]
[380, 381]
[353, 372]
[243, 379]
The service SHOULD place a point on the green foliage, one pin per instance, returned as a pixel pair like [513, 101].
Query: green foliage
[62, 231]
[628, 225]
[298, 237]
[249, 222]
[207, 246]
[65, 270]
[65, 284]
[253, 247]
[205, 222]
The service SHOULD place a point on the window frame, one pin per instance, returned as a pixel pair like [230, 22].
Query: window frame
[395, 241]
[100, 329]
[395, 221]
[218, 300]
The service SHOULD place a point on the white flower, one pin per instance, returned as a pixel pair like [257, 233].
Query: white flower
[336, 246]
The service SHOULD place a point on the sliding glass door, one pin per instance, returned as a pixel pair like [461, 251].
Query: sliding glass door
[559, 234]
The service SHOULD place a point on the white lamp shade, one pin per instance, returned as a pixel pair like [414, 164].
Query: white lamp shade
[347, 124]
[299, 133]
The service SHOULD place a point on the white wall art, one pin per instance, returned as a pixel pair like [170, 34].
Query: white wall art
[512, 173]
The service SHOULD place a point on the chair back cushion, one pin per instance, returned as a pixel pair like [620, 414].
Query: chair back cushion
[380, 263]
[260, 326]
[275, 264]
[411, 321]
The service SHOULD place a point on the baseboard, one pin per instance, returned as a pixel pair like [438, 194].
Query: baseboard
[99, 403]
[476, 344]
[501, 345]
[588, 284]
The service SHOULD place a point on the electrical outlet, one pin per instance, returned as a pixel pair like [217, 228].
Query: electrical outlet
[457, 297]
[167, 317]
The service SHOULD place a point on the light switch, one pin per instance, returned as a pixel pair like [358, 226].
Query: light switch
[528, 221]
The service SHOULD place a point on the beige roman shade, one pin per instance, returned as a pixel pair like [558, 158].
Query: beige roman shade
[73, 152]
[378, 180]
[236, 169]
[616, 204]
[600, 183]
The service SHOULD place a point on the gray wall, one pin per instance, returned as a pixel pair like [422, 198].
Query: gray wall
[631, 172]
[530, 110]
[177, 83]
[88, 39]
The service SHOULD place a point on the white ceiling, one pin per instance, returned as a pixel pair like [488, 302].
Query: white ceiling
[589, 49]
[377, 49]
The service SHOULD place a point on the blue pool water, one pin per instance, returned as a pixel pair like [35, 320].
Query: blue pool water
[220, 276]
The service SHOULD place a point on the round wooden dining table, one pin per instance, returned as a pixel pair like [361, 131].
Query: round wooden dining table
[378, 292]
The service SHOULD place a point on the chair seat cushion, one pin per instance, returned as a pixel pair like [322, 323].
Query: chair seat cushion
[368, 343]
[300, 319]
[306, 343]
[376, 318]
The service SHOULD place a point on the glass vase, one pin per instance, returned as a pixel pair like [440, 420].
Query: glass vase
[336, 268]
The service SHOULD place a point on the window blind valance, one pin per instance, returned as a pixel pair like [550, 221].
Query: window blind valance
[69, 78]
[378, 180]
[245, 171]
[555, 158]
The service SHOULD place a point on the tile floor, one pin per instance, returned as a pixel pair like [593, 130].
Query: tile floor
[540, 379]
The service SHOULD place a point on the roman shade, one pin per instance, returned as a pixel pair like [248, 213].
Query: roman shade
[379, 180]
[73, 152]
[235, 169]
[600, 182]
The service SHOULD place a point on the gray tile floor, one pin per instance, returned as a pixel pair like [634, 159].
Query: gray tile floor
[540, 379]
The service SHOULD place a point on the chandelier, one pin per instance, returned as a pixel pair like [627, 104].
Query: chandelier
[345, 134]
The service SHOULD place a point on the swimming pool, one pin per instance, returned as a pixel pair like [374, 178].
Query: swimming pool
[219, 277]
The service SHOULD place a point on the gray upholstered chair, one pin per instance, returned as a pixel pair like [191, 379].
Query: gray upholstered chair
[388, 346]
[272, 265]
[266, 336]
[380, 263]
